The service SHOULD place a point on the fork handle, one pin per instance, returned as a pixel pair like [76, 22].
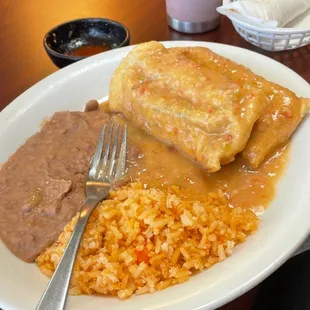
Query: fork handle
[55, 294]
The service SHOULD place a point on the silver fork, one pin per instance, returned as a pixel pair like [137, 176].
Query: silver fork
[107, 167]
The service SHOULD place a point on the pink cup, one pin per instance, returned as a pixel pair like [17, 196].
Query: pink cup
[193, 16]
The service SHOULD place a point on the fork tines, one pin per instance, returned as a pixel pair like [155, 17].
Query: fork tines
[109, 160]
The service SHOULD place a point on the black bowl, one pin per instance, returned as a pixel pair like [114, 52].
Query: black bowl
[65, 38]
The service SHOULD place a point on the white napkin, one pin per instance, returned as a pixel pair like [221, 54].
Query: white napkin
[265, 13]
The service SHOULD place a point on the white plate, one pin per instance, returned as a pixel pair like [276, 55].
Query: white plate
[284, 226]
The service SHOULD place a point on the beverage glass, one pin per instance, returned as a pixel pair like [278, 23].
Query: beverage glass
[193, 16]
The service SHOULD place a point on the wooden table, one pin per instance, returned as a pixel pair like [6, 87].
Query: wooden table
[23, 61]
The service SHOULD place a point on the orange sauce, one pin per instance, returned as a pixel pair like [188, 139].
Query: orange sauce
[89, 50]
[158, 165]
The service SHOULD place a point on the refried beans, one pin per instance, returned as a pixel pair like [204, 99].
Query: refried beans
[42, 184]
